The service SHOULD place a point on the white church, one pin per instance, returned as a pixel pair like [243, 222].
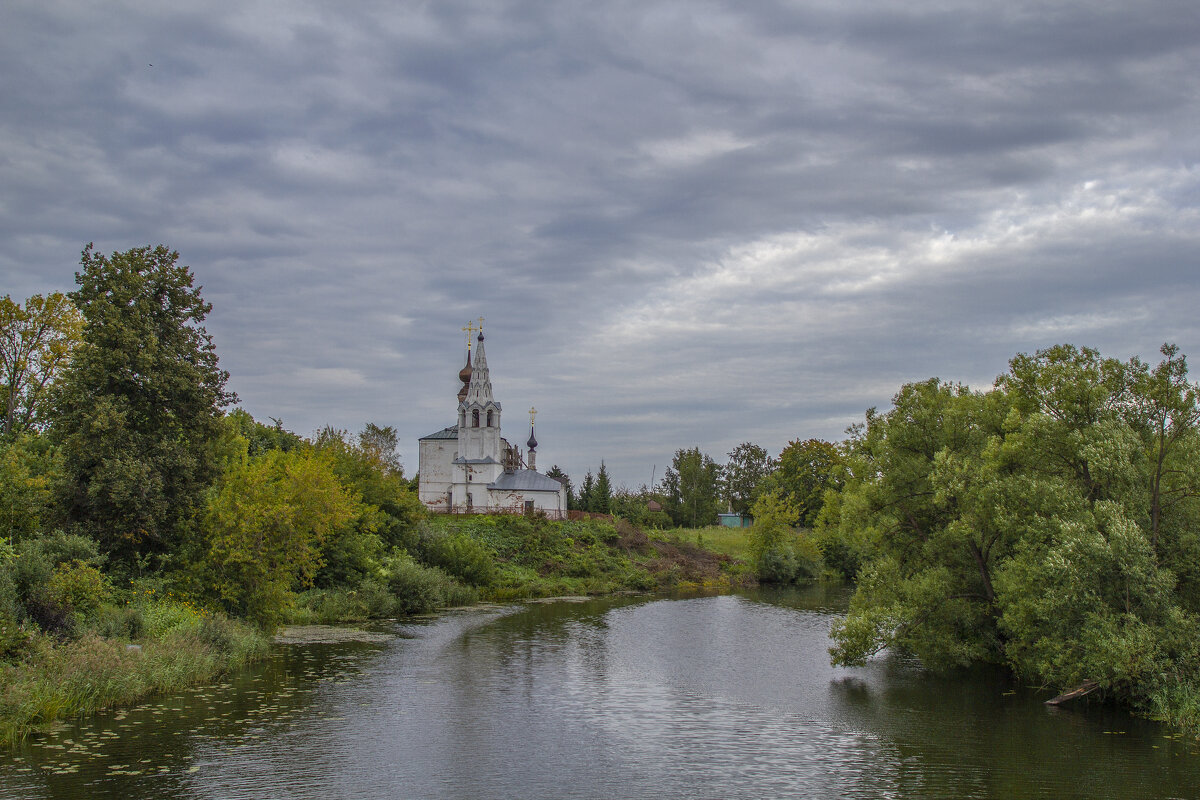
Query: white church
[469, 468]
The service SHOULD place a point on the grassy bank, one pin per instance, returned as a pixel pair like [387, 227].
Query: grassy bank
[174, 646]
[732, 542]
[99, 648]
[454, 561]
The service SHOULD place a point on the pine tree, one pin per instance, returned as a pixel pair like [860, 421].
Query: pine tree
[602, 492]
[586, 491]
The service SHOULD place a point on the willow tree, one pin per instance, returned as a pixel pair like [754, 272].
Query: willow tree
[1049, 523]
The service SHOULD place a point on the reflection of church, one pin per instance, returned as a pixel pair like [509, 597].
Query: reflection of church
[469, 468]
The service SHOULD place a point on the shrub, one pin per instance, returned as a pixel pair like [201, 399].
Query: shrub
[38, 558]
[377, 599]
[163, 616]
[419, 589]
[13, 638]
[125, 622]
[78, 586]
[458, 554]
[349, 557]
[10, 603]
[53, 618]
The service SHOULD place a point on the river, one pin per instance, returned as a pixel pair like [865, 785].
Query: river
[727, 696]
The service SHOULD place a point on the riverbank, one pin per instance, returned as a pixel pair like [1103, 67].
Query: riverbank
[62, 679]
[153, 644]
[469, 559]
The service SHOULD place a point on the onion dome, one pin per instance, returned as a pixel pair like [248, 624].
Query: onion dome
[532, 443]
[464, 375]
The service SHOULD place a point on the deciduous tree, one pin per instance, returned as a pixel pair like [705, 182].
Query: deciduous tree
[139, 408]
[691, 488]
[266, 526]
[803, 473]
[747, 468]
[36, 343]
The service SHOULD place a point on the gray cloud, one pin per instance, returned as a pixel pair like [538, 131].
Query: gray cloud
[686, 225]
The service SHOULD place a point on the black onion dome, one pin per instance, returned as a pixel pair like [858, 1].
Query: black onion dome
[532, 443]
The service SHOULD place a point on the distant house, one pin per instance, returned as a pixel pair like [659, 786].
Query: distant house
[734, 520]
[654, 505]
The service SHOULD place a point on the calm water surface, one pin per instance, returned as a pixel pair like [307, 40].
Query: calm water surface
[725, 697]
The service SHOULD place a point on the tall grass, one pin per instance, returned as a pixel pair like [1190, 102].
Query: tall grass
[1178, 705]
[57, 680]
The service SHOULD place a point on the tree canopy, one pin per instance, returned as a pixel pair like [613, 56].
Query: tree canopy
[748, 466]
[1049, 523]
[691, 488]
[138, 410]
[36, 342]
[803, 473]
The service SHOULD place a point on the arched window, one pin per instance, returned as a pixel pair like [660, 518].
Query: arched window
[489, 419]
[462, 419]
[475, 418]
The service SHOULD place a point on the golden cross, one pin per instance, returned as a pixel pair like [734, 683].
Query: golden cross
[469, 328]
[481, 324]
[532, 414]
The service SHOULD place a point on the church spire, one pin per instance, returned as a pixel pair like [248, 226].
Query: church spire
[479, 413]
[479, 390]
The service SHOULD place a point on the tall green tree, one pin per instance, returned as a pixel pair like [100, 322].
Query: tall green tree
[691, 489]
[29, 470]
[381, 441]
[1167, 408]
[260, 437]
[138, 411]
[926, 509]
[1019, 525]
[600, 500]
[367, 466]
[267, 526]
[585, 492]
[748, 466]
[803, 473]
[36, 342]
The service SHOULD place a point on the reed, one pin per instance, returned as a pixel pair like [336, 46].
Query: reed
[61, 680]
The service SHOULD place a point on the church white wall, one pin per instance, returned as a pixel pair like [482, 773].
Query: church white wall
[553, 503]
[436, 470]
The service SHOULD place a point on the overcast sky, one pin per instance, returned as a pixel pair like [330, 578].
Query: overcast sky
[686, 224]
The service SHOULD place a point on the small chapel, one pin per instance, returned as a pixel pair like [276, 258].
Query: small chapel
[469, 468]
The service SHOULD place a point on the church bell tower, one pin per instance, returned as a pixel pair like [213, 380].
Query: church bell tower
[479, 413]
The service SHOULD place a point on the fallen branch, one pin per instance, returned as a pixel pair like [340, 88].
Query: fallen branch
[1085, 688]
